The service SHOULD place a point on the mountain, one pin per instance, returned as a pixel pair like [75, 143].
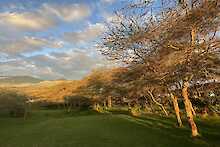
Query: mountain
[19, 80]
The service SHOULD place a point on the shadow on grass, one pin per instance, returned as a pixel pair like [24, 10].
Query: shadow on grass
[167, 128]
[209, 129]
[119, 111]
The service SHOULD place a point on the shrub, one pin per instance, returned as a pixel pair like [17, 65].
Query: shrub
[135, 110]
[49, 105]
[12, 103]
[77, 102]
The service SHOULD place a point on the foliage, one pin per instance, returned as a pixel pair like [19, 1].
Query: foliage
[78, 102]
[13, 103]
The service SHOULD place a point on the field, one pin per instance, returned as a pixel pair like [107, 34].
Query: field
[55, 128]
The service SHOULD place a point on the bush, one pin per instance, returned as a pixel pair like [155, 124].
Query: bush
[77, 102]
[50, 105]
[135, 110]
[12, 103]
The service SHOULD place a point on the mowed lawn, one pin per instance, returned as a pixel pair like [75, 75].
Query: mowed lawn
[57, 129]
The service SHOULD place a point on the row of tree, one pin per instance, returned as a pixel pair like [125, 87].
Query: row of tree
[126, 87]
[171, 45]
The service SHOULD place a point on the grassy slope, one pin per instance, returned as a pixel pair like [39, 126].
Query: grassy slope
[47, 90]
[56, 129]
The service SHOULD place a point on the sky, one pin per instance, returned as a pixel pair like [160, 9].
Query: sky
[53, 39]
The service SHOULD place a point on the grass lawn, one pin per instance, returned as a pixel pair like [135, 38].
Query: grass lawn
[56, 129]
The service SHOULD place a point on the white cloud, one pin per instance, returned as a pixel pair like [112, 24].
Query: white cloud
[44, 17]
[90, 33]
[111, 17]
[27, 21]
[27, 44]
[73, 64]
[15, 25]
[16, 37]
[67, 13]
[108, 1]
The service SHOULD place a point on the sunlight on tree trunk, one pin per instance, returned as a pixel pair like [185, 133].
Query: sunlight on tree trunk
[96, 107]
[104, 104]
[193, 36]
[189, 110]
[193, 111]
[157, 103]
[109, 102]
[177, 110]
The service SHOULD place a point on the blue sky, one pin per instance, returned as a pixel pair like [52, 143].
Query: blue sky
[53, 39]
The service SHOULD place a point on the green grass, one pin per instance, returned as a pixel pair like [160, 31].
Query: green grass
[57, 129]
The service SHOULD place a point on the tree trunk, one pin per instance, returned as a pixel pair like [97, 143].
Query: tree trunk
[26, 111]
[193, 36]
[177, 110]
[96, 107]
[149, 102]
[157, 103]
[109, 102]
[193, 44]
[189, 110]
[205, 112]
[104, 104]
[152, 108]
[193, 111]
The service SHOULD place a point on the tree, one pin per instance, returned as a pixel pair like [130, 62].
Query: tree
[100, 86]
[173, 41]
[13, 103]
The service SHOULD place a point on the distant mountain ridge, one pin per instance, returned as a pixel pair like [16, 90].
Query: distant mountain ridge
[19, 80]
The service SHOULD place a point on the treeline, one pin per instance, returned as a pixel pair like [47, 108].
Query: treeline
[173, 47]
[14, 104]
[121, 87]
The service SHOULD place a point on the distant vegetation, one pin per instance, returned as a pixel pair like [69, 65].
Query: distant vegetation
[13, 104]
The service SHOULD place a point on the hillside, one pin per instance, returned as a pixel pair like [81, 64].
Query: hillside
[45, 90]
[18, 80]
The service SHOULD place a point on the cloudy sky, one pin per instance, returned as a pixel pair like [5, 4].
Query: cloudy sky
[52, 39]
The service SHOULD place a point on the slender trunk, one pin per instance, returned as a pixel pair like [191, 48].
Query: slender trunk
[198, 93]
[205, 112]
[68, 109]
[96, 106]
[145, 107]
[151, 107]
[26, 111]
[104, 104]
[193, 111]
[193, 36]
[189, 110]
[64, 105]
[177, 110]
[109, 102]
[157, 103]
[193, 43]
[149, 101]
[129, 107]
